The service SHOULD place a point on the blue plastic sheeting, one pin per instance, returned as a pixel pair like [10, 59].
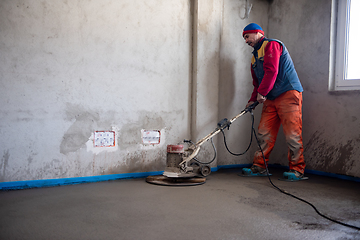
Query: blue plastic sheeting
[70, 181]
[320, 173]
[78, 180]
[333, 175]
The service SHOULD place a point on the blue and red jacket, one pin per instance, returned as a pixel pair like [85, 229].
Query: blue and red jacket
[272, 70]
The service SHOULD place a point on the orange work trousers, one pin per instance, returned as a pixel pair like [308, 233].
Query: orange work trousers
[286, 110]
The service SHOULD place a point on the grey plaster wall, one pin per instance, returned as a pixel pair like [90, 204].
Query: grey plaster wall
[331, 120]
[235, 84]
[205, 73]
[69, 68]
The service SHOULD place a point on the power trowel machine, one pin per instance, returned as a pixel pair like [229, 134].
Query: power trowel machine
[182, 167]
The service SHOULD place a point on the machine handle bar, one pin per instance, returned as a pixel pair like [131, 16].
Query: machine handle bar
[223, 124]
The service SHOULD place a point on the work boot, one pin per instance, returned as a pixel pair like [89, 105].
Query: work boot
[257, 169]
[254, 171]
[293, 175]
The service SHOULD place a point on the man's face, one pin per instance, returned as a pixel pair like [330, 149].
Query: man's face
[252, 38]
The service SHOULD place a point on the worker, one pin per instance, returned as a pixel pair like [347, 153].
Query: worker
[278, 88]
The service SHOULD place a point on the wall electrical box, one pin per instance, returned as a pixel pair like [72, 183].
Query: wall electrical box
[104, 139]
[151, 137]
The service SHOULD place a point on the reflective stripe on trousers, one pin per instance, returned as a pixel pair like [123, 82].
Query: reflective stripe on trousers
[285, 110]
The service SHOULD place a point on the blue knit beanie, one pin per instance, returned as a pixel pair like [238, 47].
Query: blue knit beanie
[253, 28]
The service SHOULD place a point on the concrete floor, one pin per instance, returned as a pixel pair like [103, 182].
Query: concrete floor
[227, 206]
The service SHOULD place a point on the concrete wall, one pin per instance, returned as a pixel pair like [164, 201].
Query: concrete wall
[69, 68]
[331, 120]
[235, 84]
[205, 73]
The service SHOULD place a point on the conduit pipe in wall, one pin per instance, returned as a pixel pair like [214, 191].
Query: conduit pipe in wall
[247, 9]
[193, 66]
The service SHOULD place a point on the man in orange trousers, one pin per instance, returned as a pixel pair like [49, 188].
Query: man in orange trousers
[278, 88]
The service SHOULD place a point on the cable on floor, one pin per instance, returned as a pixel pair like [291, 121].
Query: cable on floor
[253, 133]
[298, 198]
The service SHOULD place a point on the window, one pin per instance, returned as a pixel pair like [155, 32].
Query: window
[346, 63]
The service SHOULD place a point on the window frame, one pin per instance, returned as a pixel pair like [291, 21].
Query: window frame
[338, 81]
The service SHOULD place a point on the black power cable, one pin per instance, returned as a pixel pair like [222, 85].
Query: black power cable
[253, 132]
[213, 157]
[298, 198]
[215, 152]
[251, 138]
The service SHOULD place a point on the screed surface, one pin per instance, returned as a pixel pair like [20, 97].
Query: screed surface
[227, 206]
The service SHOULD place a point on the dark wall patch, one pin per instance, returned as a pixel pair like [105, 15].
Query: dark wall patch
[137, 162]
[321, 154]
[4, 163]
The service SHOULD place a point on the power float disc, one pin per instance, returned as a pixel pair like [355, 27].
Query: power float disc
[166, 181]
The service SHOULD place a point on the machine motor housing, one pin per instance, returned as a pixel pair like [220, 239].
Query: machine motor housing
[175, 155]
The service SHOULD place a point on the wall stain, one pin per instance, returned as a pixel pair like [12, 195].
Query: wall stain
[30, 159]
[321, 154]
[138, 162]
[4, 164]
[130, 158]
[55, 168]
[80, 131]
[130, 134]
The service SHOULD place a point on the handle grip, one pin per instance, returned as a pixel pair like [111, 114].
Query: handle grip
[252, 106]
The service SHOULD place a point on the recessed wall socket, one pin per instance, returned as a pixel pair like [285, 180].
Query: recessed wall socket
[151, 137]
[104, 139]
